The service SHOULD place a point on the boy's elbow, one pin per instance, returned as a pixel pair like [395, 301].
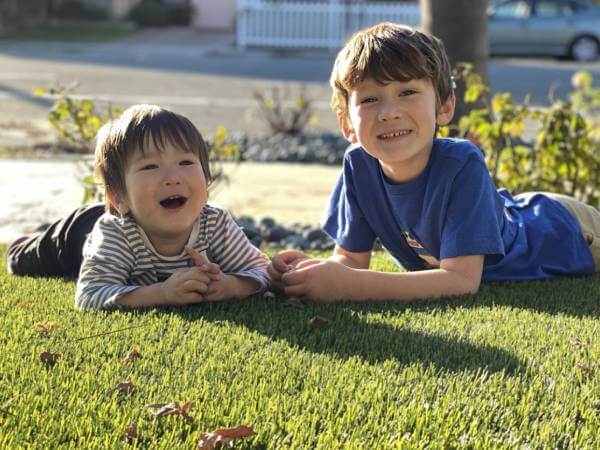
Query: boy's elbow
[472, 285]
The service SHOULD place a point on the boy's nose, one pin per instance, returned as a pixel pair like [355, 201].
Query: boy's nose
[390, 112]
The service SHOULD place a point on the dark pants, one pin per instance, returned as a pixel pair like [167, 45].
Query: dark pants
[55, 252]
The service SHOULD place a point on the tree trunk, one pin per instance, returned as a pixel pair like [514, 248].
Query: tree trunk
[463, 27]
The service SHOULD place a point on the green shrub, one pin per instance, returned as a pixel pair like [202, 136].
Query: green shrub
[150, 13]
[565, 155]
[77, 122]
[77, 10]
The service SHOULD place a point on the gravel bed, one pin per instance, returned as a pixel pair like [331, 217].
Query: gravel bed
[325, 148]
[267, 233]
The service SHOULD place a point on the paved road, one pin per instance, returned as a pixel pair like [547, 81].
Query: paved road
[204, 77]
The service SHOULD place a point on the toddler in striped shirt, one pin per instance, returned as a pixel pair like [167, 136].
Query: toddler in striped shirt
[159, 241]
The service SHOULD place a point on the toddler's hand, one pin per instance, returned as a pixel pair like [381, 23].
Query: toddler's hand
[283, 262]
[211, 269]
[185, 286]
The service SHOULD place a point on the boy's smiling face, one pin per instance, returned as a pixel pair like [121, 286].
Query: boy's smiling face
[395, 123]
[166, 190]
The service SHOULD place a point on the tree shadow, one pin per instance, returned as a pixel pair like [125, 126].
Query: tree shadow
[348, 335]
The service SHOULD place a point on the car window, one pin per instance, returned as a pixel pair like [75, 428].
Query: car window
[552, 8]
[516, 9]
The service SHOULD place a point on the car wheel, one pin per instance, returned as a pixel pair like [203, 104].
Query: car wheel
[585, 48]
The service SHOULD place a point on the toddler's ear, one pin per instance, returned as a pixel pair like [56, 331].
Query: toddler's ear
[117, 203]
[347, 129]
[446, 112]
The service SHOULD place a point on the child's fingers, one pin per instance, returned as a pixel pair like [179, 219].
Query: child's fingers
[212, 269]
[297, 290]
[196, 286]
[285, 260]
[198, 258]
[293, 277]
[307, 263]
[196, 273]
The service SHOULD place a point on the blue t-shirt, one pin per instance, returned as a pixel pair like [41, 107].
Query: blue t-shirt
[453, 209]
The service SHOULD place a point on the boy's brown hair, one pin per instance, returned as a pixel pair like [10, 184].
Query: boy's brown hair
[390, 52]
[132, 131]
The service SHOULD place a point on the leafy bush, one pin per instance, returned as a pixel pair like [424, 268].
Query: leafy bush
[285, 119]
[77, 122]
[565, 155]
[77, 9]
[150, 13]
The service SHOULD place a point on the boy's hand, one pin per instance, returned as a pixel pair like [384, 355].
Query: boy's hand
[185, 286]
[321, 280]
[283, 262]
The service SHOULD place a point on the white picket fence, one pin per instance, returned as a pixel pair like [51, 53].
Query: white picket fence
[313, 24]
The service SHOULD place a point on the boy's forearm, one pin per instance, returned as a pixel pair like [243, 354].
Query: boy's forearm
[368, 285]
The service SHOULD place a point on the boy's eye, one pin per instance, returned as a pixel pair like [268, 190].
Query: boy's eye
[368, 100]
[407, 92]
[149, 167]
[186, 162]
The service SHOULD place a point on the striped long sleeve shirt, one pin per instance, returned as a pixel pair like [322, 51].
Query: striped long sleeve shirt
[118, 257]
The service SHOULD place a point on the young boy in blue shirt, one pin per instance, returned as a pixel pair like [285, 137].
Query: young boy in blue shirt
[430, 201]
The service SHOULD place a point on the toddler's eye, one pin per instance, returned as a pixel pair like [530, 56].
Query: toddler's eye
[149, 167]
[186, 162]
[407, 92]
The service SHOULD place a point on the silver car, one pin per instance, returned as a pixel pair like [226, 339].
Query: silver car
[545, 27]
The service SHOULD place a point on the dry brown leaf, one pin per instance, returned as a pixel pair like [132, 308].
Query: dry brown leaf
[585, 368]
[46, 326]
[131, 355]
[294, 302]
[223, 436]
[125, 387]
[172, 409]
[576, 342]
[6, 413]
[25, 305]
[50, 358]
[130, 433]
[318, 321]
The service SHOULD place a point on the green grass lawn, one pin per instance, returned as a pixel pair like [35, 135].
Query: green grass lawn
[515, 366]
[74, 32]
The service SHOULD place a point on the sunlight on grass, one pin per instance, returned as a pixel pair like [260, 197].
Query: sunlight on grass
[499, 369]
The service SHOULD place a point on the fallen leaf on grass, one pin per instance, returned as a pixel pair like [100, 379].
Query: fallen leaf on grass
[172, 409]
[50, 358]
[24, 305]
[576, 342]
[131, 355]
[585, 368]
[6, 413]
[130, 433]
[318, 321]
[223, 436]
[294, 302]
[46, 326]
[125, 387]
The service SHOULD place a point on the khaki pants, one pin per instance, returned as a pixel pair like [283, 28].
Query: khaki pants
[589, 221]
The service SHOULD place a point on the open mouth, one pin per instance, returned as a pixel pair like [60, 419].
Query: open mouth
[394, 134]
[173, 202]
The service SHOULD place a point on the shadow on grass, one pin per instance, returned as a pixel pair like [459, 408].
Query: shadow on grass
[575, 297]
[348, 335]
